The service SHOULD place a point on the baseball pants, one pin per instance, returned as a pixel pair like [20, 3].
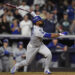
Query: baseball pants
[31, 52]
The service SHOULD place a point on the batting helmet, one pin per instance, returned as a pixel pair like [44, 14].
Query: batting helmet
[19, 43]
[36, 18]
[5, 41]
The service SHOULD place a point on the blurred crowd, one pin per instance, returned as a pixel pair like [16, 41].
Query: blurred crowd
[10, 55]
[57, 17]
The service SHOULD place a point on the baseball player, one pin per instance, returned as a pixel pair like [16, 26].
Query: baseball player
[36, 45]
[5, 52]
[20, 54]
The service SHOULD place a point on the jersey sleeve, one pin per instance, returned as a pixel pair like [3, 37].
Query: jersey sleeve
[47, 35]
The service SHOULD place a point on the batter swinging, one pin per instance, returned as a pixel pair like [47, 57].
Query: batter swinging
[36, 45]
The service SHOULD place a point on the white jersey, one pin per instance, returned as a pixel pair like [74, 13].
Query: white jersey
[23, 13]
[40, 2]
[26, 28]
[37, 36]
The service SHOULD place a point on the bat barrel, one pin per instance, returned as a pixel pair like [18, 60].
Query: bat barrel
[13, 6]
[10, 5]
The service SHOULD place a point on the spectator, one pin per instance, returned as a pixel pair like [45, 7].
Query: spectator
[72, 27]
[17, 15]
[49, 5]
[39, 2]
[72, 59]
[55, 12]
[5, 25]
[49, 25]
[5, 54]
[15, 29]
[65, 5]
[20, 54]
[43, 14]
[25, 7]
[30, 2]
[10, 17]
[73, 46]
[64, 24]
[54, 45]
[9, 8]
[1, 10]
[1, 25]
[71, 11]
[26, 26]
[5, 12]
[38, 13]
[37, 8]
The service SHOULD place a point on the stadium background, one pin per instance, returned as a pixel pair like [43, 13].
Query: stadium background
[61, 7]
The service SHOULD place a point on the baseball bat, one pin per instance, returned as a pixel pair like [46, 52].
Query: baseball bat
[13, 6]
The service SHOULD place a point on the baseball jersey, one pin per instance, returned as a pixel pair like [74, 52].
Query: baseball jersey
[23, 13]
[26, 28]
[2, 49]
[37, 36]
[18, 54]
[71, 13]
[51, 45]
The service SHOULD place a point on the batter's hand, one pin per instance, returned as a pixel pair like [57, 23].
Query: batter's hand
[63, 33]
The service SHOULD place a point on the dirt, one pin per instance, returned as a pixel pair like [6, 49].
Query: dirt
[38, 73]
